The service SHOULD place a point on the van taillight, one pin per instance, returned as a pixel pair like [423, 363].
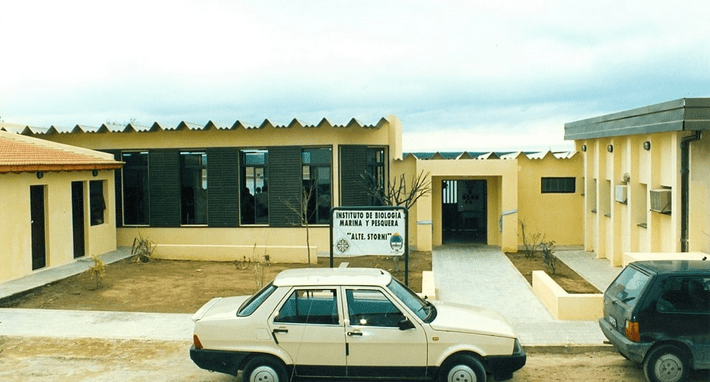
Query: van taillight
[632, 331]
[196, 341]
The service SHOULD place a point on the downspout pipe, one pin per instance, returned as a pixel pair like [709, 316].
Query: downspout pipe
[685, 188]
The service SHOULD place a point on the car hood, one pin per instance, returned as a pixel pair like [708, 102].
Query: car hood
[219, 307]
[452, 317]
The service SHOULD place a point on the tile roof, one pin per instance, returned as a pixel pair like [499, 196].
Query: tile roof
[25, 154]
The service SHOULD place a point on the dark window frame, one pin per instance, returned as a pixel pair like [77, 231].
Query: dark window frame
[558, 185]
[312, 169]
[189, 198]
[254, 197]
[97, 202]
[131, 201]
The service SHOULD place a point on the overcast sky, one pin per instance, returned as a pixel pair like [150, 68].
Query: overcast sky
[460, 75]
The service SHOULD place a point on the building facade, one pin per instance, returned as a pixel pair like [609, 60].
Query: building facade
[54, 204]
[227, 192]
[646, 179]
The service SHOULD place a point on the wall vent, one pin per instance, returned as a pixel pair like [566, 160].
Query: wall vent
[661, 200]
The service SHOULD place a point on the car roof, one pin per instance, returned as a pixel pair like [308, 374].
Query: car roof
[674, 266]
[333, 276]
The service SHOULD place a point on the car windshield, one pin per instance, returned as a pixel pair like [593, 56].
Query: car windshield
[422, 308]
[628, 286]
[250, 305]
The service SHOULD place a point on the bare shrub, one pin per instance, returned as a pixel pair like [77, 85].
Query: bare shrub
[97, 271]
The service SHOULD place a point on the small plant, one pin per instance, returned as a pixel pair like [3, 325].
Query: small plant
[142, 249]
[548, 257]
[97, 271]
[531, 241]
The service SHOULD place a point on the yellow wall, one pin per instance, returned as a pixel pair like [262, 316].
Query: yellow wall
[616, 227]
[15, 228]
[502, 196]
[557, 216]
[699, 229]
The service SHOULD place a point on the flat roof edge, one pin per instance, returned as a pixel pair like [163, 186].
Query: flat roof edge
[676, 115]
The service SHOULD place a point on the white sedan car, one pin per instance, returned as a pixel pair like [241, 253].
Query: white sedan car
[349, 322]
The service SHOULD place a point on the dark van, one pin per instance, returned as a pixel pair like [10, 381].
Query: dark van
[658, 313]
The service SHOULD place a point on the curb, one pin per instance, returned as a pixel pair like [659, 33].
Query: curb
[568, 349]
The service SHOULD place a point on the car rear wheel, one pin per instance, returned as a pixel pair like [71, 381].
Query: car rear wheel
[666, 363]
[462, 368]
[264, 369]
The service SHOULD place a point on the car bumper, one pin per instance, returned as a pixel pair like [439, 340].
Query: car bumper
[502, 367]
[635, 351]
[221, 361]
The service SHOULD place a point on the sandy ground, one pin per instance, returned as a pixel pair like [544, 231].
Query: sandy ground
[165, 286]
[41, 359]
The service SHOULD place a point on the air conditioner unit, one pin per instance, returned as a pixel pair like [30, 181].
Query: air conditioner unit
[661, 200]
[621, 193]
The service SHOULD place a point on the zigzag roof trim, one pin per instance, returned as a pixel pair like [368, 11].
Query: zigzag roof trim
[183, 125]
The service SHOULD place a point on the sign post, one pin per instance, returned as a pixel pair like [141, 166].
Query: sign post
[362, 231]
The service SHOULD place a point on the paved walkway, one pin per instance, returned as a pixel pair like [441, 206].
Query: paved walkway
[49, 275]
[483, 276]
[478, 275]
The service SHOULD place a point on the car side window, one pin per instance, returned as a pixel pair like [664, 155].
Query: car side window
[685, 295]
[310, 306]
[370, 307]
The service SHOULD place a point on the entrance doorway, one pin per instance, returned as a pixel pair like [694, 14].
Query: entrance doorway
[77, 206]
[464, 211]
[39, 249]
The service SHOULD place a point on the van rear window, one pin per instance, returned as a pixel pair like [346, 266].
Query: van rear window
[628, 286]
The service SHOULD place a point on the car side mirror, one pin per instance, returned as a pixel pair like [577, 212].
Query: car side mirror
[405, 324]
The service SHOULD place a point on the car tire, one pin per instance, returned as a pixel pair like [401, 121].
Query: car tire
[666, 363]
[462, 368]
[264, 369]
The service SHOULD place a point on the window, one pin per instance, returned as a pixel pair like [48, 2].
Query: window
[250, 305]
[316, 178]
[97, 201]
[193, 187]
[685, 294]
[254, 181]
[375, 173]
[370, 307]
[310, 306]
[558, 185]
[136, 199]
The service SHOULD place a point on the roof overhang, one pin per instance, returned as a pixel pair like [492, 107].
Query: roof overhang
[682, 114]
[17, 168]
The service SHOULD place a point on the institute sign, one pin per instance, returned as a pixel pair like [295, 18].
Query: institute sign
[369, 231]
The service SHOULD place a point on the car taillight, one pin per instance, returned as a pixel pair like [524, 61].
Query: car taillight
[196, 341]
[632, 331]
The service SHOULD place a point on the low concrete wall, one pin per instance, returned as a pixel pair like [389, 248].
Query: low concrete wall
[277, 253]
[639, 256]
[428, 286]
[563, 305]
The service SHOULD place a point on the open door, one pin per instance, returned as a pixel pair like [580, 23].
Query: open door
[37, 214]
[464, 211]
[77, 204]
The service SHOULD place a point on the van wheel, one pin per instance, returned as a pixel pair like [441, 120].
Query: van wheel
[264, 369]
[462, 368]
[666, 363]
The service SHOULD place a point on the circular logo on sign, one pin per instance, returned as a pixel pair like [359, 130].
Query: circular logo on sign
[396, 242]
[342, 245]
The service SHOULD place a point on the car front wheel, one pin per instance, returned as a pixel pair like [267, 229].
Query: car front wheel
[666, 363]
[264, 369]
[462, 368]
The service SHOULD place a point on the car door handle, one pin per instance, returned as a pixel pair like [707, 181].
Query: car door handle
[355, 333]
[280, 330]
